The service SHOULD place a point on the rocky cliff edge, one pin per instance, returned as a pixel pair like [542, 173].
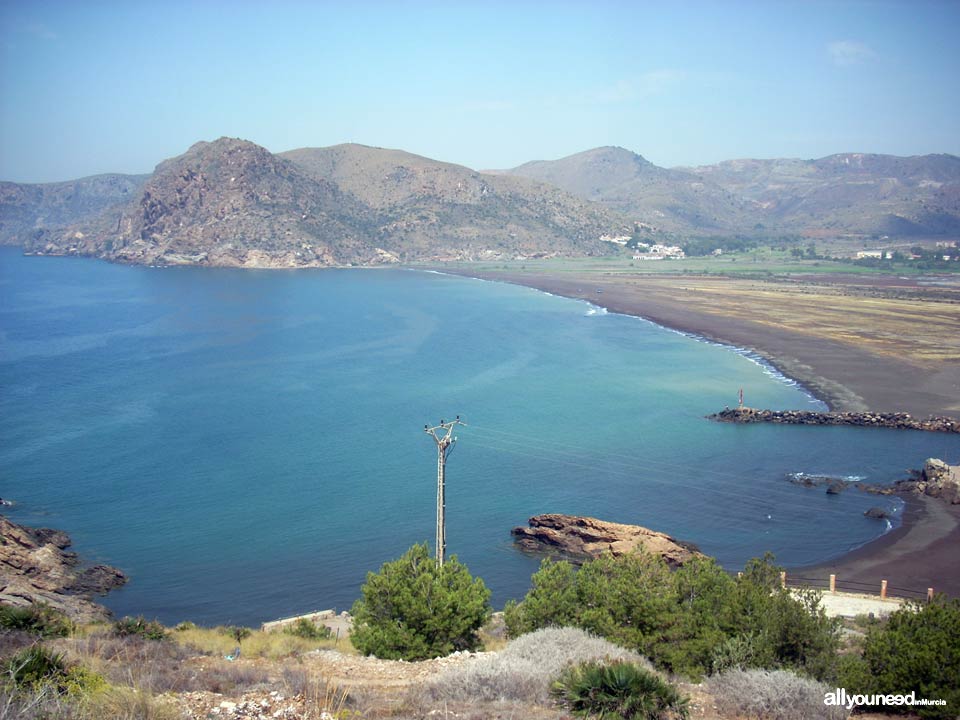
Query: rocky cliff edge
[36, 567]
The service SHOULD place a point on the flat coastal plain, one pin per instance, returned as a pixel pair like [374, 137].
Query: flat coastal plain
[878, 343]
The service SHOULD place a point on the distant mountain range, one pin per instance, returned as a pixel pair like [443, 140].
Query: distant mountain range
[231, 202]
[851, 193]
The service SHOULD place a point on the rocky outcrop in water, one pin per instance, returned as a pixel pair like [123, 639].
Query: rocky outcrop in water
[586, 538]
[35, 567]
[896, 421]
[936, 479]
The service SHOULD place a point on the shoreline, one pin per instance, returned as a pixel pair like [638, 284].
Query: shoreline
[917, 554]
[843, 376]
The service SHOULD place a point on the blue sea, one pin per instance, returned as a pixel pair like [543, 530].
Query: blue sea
[249, 444]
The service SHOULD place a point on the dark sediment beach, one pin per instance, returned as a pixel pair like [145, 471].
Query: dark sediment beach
[922, 551]
[845, 375]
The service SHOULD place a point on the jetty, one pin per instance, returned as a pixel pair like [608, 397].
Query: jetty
[895, 421]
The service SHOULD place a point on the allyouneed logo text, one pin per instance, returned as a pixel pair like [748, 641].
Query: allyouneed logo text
[840, 697]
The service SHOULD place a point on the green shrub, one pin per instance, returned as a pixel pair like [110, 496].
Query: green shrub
[793, 630]
[238, 632]
[691, 621]
[619, 691]
[736, 653]
[624, 599]
[308, 630]
[414, 609]
[917, 650]
[147, 629]
[34, 665]
[39, 619]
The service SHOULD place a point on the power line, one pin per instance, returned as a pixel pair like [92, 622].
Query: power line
[442, 434]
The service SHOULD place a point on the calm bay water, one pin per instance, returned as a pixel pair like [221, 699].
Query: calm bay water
[248, 444]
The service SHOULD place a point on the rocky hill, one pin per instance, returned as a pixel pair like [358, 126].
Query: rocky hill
[27, 209]
[450, 211]
[672, 200]
[227, 202]
[233, 203]
[849, 193]
[841, 194]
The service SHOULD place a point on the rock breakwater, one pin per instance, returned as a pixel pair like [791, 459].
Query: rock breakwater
[895, 421]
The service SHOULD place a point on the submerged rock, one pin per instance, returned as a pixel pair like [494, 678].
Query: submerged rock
[878, 513]
[586, 537]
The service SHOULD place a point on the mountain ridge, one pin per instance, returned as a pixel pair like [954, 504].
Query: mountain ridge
[26, 208]
[232, 202]
[845, 193]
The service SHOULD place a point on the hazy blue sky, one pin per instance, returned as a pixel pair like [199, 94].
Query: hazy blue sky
[89, 87]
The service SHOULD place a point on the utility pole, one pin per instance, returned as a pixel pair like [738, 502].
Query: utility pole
[443, 436]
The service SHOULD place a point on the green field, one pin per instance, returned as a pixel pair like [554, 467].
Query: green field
[761, 262]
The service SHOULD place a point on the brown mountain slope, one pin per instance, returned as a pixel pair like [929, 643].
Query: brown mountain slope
[849, 193]
[233, 203]
[227, 202]
[26, 209]
[450, 211]
[672, 200]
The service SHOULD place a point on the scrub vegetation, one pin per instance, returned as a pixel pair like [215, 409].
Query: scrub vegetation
[619, 638]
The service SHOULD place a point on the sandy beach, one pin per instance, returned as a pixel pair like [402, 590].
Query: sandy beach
[846, 375]
[853, 376]
[921, 553]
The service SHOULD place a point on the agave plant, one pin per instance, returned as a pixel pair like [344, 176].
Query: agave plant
[35, 665]
[619, 691]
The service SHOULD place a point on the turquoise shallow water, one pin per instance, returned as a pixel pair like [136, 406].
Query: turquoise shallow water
[248, 444]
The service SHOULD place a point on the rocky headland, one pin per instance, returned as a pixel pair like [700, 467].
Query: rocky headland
[583, 538]
[233, 203]
[894, 421]
[36, 567]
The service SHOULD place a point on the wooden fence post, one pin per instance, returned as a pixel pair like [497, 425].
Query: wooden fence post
[883, 589]
[783, 579]
[833, 583]
[929, 594]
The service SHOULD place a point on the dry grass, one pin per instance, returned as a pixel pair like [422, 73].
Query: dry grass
[117, 703]
[918, 326]
[271, 645]
[161, 666]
